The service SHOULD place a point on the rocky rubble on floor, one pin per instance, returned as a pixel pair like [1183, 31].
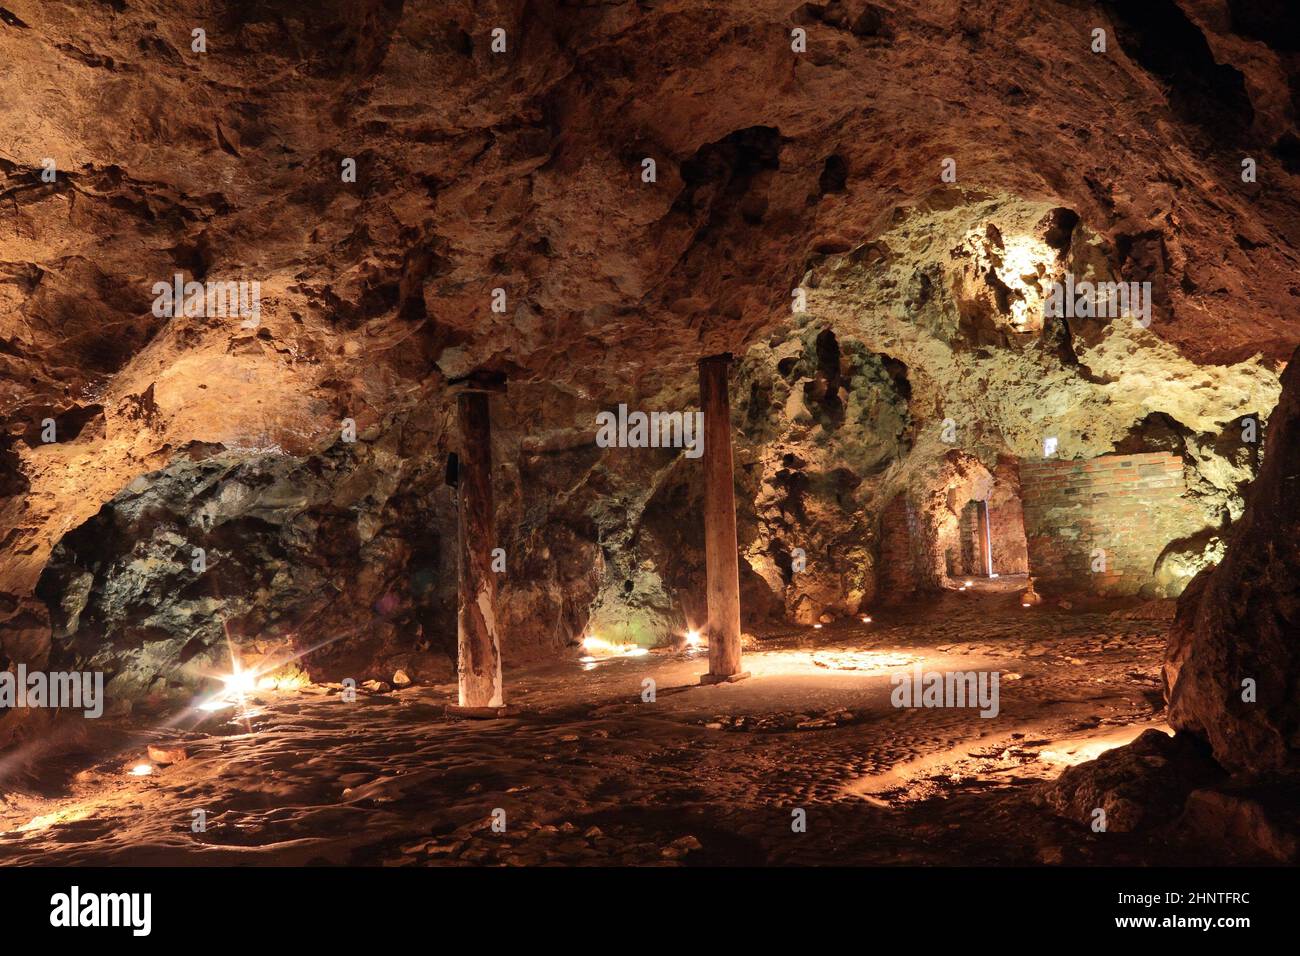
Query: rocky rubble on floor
[780, 722]
[532, 844]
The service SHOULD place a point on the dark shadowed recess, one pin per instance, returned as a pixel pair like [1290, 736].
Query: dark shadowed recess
[1160, 37]
[1275, 23]
[334, 38]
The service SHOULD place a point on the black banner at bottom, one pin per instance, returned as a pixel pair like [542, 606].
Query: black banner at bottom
[340, 906]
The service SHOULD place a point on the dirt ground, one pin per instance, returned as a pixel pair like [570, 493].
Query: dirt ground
[588, 771]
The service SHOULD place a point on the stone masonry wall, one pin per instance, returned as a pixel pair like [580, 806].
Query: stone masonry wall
[898, 578]
[1128, 506]
[1007, 520]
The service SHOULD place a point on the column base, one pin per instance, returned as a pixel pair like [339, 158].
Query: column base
[477, 713]
[706, 679]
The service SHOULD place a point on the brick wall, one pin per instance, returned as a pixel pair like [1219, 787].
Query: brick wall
[896, 577]
[1130, 506]
[1006, 526]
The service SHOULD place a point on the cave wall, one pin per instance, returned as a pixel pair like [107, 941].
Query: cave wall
[827, 427]
[348, 552]
[1231, 667]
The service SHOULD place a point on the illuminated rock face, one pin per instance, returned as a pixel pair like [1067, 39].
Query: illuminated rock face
[270, 553]
[522, 172]
[1134, 787]
[1233, 659]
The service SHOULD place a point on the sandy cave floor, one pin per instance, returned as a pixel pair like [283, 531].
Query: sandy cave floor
[589, 773]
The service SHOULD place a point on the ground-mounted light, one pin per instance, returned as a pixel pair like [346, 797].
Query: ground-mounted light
[142, 770]
[235, 688]
[239, 681]
[598, 650]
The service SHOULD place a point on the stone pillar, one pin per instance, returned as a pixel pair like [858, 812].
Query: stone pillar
[987, 536]
[478, 644]
[721, 553]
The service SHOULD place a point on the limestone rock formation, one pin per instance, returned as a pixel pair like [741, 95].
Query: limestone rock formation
[1252, 819]
[1139, 786]
[1234, 656]
[337, 554]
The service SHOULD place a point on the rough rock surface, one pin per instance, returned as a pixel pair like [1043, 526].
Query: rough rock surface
[272, 552]
[522, 171]
[1250, 818]
[1141, 785]
[1233, 661]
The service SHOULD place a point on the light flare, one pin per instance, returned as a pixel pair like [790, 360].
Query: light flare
[599, 649]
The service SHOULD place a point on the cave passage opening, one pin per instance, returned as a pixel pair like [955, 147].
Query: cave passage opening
[990, 541]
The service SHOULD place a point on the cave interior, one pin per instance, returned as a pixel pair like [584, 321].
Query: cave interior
[632, 434]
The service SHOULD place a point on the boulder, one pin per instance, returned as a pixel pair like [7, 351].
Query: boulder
[1141, 785]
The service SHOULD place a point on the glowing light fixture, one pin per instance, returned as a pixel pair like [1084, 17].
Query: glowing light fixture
[236, 686]
[692, 638]
[240, 681]
[598, 648]
[141, 770]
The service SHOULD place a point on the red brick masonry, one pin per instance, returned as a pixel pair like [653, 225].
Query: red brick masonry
[897, 574]
[1130, 506]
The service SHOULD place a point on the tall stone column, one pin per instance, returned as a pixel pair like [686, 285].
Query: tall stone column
[986, 538]
[478, 643]
[721, 553]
